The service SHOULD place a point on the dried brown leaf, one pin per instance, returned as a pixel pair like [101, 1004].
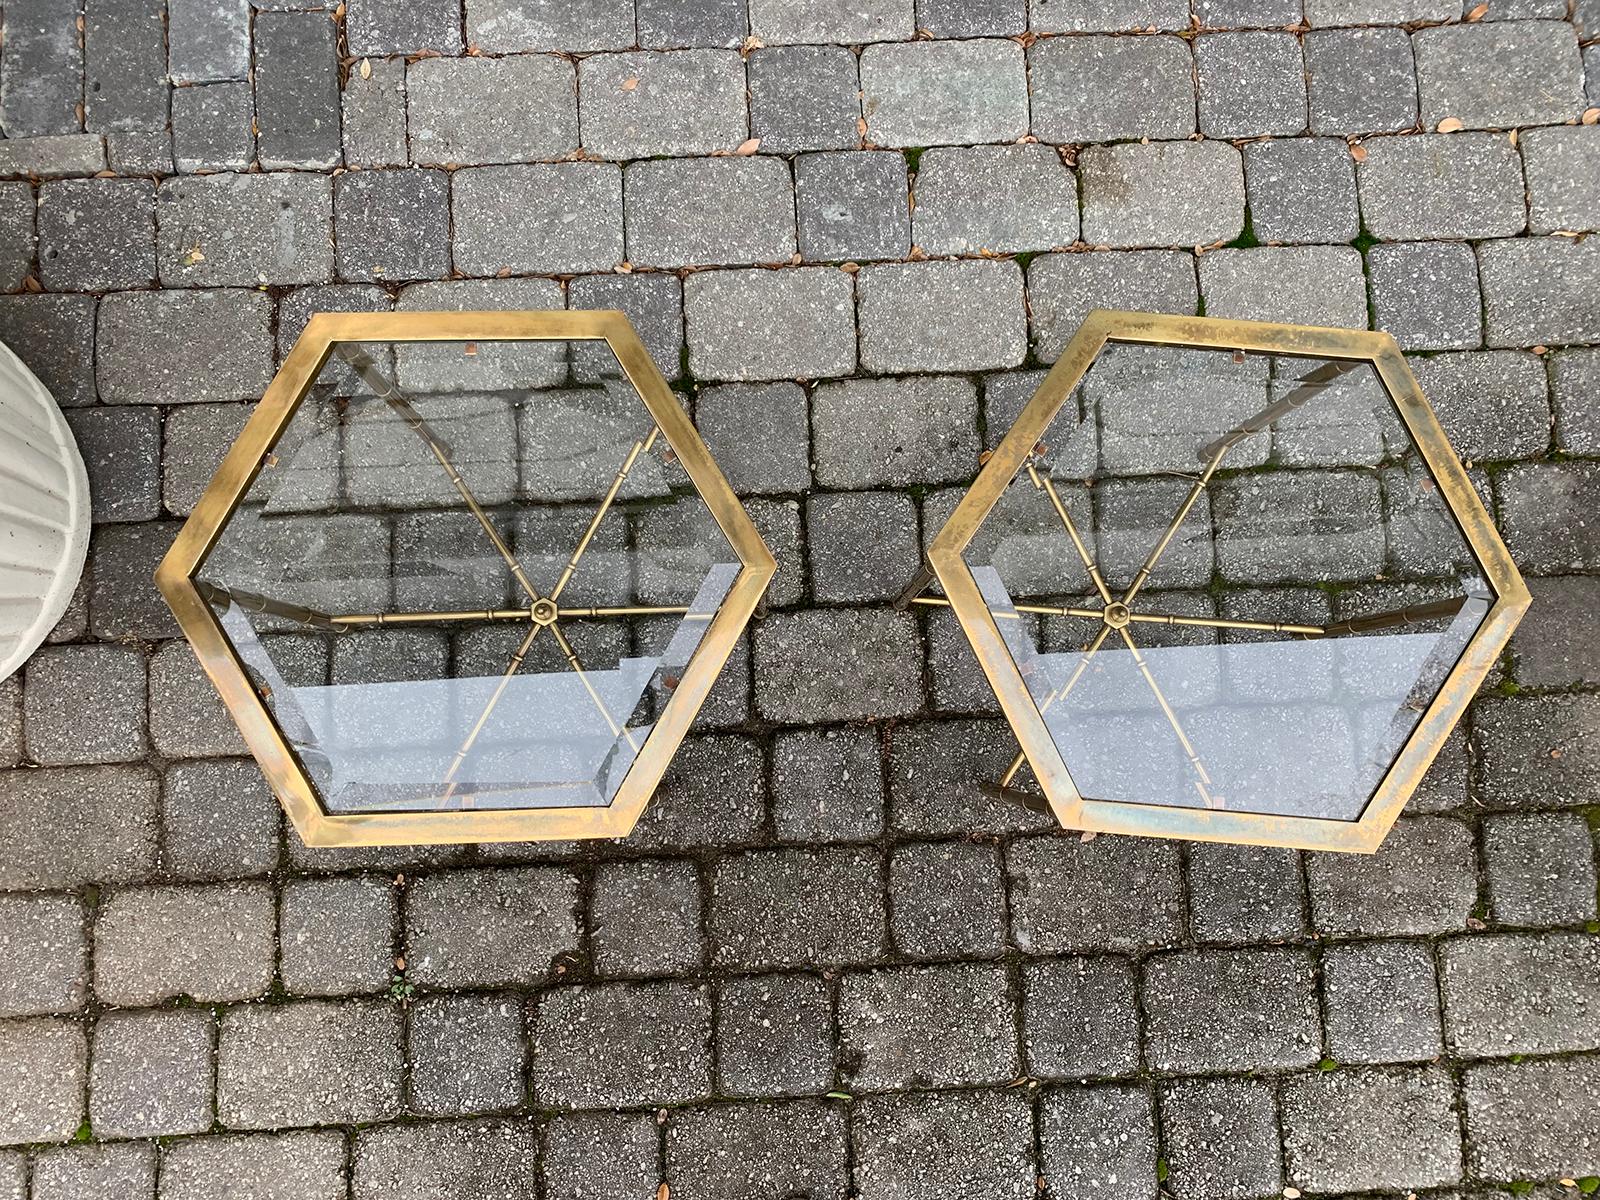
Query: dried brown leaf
[365, 69]
[1477, 12]
[748, 146]
[1358, 152]
[1590, 116]
[631, 82]
[1448, 125]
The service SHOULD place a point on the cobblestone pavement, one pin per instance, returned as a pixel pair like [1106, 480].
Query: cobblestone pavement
[830, 967]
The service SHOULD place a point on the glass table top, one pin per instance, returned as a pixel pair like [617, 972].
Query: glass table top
[470, 575]
[1228, 581]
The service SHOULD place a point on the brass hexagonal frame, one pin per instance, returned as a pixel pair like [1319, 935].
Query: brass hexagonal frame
[176, 580]
[1075, 811]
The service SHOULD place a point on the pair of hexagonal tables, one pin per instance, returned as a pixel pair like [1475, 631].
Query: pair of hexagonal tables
[456, 583]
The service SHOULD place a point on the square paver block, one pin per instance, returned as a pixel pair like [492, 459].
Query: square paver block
[337, 935]
[43, 1070]
[244, 230]
[775, 1035]
[1523, 1120]
[944, 1144]
[751, 325]
[827, 785]
[1161, 193]
[942, 316]
[212, 942]
[1250, 84]
[1221, 1139]
[549, 218]
[709, 212]
[1563, 170]
[466, 1054]
[852, 205]
[1099, 1141]
[43, 959]
[786, 908]
[1499, 74]
[1426, 294]
[994, 199]
[482, 928]
[1301, 190]
[1063, 900]
[85, 704]
[1101, 89]
[644, 918]
[96, 235]
[1080, 1018]
[1301, 285]
[1541, 869]
[850, 22]
[1381, 1001]
[1348, 1131]
[759, 434]
[504, 26]
[1422, 881]
[460, 112]
[152, 1073]
[1064, 288]
[804, 98]
[1231, 1010]
[926, 1027]
[1458, 185]
[894, 432]
[1106, 16]
[944, 93]
[622, 1045]
[662, 102]
[1360, 80]
[1540, 291]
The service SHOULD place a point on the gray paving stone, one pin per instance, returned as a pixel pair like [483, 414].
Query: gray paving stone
[1306, 285]
[393, 225]
[498, 26]
[1221, 1139]
[374, 114]
[212, 942]
[601, 1156]
[775, 1036]
[778, 523]
[405, 26]
[1250, 84]
[926, 1027]
[993, 199]
[311, 1063]
[947, 900]
[785, 908]
[1098, 1141]
[1591, 71]
[14, 1175]
[121, 448]
[213, 230]
[42, 1076]
[1520, 994]
[671, 25]
[336, 936]
[852, 205]
[972, 18]
[54, 337]
[1540, 290]
[1441, 186]
[96, 234]
[10, 722]
[140, 152]
[208, 40]
[755, 325]
[1360, 81]
[466, 1054]
[944, 1146]
[652, 103]
[213, 127]
[1574, 378]
[554, 218]
[786, 21]
[1426, 294]
[1106, 16]
[458, 114]
[1541, 869]
[123, 601]
[1563, 166]
[1492, 405]
[804, 98]
[802, 676]
[1532, 1120]
[1422, 881]
[73, 826]
[18, 242]
[52, 157]
[125, 1171]
[1096, 89]
[1535, 752]
[1546, 513]
[759, 434]
[644, 918]
[125, 66]
[219, 820]
[43, 965]
[1063, 898]
[944, 93]
[827, 785]
[936, 770]
[187, 720]
[291, 1166]
[653, 304]
[490, 1158]
[1349, 1131]
[730, 1152]
[297, 90]
[1499, 74]
[941, 316]
[863, 545]
[1064, 288]
[626, 1045]
[484, 928]
[1080, 1019]
[712, 794]
[1161, 193]
[1131, 516]
[151, 1073]
[195, 439]
[85, 704]
[1550, 648]
[709, 212]
[1243, 894]
[1301, 190]
[1265, 523]
[1230, 1011]
[1381, 1002]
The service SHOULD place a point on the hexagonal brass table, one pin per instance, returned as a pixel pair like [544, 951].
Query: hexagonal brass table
[415, 516]
[1215, 710]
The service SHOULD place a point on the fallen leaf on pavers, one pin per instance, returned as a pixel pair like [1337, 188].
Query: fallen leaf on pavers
[1590, 116]
[366, 68]
[630, 83]
[1358, 152]
[663, 1192]
[748, 146]
[1448, 125]
[1478, 12]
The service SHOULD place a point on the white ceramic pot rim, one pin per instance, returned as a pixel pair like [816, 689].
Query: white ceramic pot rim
[44, 513]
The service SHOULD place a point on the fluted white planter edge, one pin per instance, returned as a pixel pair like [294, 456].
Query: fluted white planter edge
[44, 513]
